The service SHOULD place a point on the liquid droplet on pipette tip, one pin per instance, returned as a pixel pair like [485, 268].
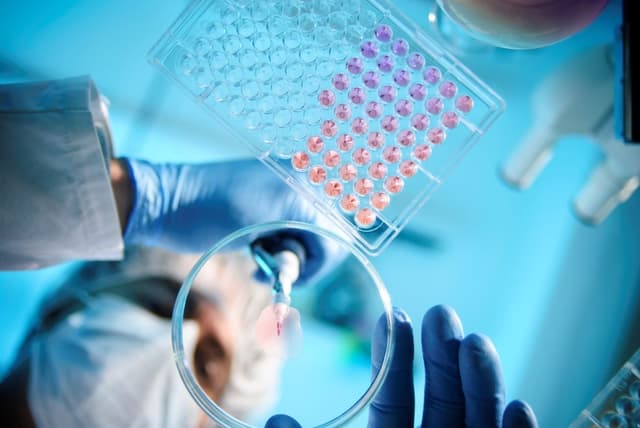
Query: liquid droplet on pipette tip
[278, 330]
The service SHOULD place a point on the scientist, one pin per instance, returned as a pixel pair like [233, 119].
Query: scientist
[64, 198]
[100, 353]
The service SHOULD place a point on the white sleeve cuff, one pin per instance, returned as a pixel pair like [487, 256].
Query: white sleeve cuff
[57, 199]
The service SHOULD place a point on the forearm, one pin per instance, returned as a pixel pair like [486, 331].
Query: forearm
[122, 191]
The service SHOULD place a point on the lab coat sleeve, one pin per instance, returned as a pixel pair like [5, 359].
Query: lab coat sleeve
[56, 202]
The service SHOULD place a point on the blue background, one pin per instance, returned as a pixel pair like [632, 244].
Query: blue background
[559, 299]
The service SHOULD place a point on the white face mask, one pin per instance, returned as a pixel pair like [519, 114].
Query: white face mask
[110, 365]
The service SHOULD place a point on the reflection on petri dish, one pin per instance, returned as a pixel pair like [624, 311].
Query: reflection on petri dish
[265, 294]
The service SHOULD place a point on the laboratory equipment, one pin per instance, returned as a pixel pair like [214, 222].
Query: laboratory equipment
[273, 261]
[352, 104]
[618, 404]
[522, 24]
[278, 325]
[448, 33]
[598, 104]
[571, 101]
[627, 69]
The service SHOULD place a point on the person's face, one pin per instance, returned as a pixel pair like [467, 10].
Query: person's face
[214, 349]
[226, 301]
[219, 302]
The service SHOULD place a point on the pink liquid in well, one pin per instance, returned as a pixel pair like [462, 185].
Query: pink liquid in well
[392, 154]
[402, 77]
[357, 95]
[375, 140]
[422, 152]
[436, 135]
[300, 161]
[343, 112]
[394, 184]
[359, 126]
[333, 188]
[340, 81]
[363, 186]
[383, 32]
[415, 61]
[348, 172]
[400, 47]
[406, 138]
[371, 79]
[369, 49]
[448, 89]
[450, 119]
[329, 128]
[355, 65]
[408, 168]
[373, 109]
[345, 142]
[315, 144]
[331, 158]
[420, 121]
[317, 174]
[326, 98]
[380, 200]
[385, 63]
[431, 75]
[387, 93]
[404, 107]
[349, 203]
[418, 91]
[361, 156]
[365, 217]
[464, 103]
[389, 123]
[377, 170]
[434, 105]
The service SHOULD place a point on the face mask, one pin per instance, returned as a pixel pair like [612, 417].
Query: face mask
[110, 365]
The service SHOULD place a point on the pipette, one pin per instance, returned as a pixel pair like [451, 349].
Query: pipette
[280, 263]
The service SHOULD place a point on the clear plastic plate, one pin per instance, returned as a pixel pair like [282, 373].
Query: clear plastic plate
[618, 404]
[238, 378]
[350, 102]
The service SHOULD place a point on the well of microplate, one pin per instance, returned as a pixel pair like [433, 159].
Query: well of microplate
[618, 404]
[351, 103]
[315, 365]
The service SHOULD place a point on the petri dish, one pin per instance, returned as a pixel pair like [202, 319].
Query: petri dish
[324, 379]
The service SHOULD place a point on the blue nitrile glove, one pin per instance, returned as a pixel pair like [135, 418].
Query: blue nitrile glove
[464, 384]
[282, 421]
[188, 208]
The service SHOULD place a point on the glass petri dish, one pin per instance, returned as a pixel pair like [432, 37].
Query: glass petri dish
[325, 382]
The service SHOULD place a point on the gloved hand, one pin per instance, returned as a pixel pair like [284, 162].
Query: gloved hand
[464, 379]
[188, 208]
[464, 385]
